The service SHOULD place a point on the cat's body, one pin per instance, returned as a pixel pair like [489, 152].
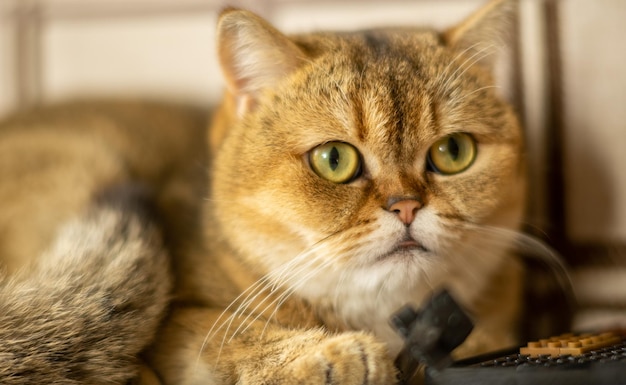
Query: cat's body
[352, 173]
[85, 278]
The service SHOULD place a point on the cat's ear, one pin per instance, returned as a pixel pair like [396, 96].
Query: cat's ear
[253, 55]
[484, 33]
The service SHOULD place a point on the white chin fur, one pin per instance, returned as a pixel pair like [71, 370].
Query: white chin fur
[368, 289]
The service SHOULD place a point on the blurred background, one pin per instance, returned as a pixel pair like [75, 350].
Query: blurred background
[565, 72]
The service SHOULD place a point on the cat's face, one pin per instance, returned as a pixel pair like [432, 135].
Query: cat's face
[382, 158]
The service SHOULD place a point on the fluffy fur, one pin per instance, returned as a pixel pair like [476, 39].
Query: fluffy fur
[85, 272]
[282, 276]
[89, 305]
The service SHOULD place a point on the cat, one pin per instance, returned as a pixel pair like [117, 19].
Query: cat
[353, 173]
[348, 175]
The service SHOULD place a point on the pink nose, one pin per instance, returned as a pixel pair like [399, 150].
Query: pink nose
[406, 210]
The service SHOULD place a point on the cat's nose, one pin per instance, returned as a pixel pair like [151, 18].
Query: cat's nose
[405, 209]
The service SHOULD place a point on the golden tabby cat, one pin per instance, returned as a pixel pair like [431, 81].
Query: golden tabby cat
[351, 173]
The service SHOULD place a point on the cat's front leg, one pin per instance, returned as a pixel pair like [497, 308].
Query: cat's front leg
[266, 353]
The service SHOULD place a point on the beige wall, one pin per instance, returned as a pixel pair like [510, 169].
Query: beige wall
[594, 53]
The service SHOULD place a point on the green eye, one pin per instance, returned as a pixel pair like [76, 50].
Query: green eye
[452, 154]
[337, 162]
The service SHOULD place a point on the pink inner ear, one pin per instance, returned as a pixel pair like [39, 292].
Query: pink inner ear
[486, 30]
[245, 104]
[253, 56]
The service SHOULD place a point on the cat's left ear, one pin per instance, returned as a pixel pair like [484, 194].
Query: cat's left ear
[253, 55]
[484, 32]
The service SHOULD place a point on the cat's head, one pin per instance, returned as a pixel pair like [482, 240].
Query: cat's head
[376, 158]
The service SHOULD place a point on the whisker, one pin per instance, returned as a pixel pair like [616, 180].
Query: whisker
[466, 65]
[274, 279]
[254, 310]
[285, 296]
[469, 62]
[342, 278]
[258, 287]
[452, 77]
[280, 277]
[280, 300]
[243, 309]
[211, 331]
[277, 302]
[475, 91]
[444, 74]
[531, 247]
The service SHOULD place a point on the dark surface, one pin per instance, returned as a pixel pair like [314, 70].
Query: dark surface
[606, 366]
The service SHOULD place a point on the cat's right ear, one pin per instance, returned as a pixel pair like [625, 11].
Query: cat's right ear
[253, 55]
[485, 32]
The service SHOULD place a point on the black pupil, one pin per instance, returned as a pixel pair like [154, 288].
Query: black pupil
[333, 159]
[453, 148]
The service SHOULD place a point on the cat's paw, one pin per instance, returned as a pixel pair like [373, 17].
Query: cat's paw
[344, 359]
